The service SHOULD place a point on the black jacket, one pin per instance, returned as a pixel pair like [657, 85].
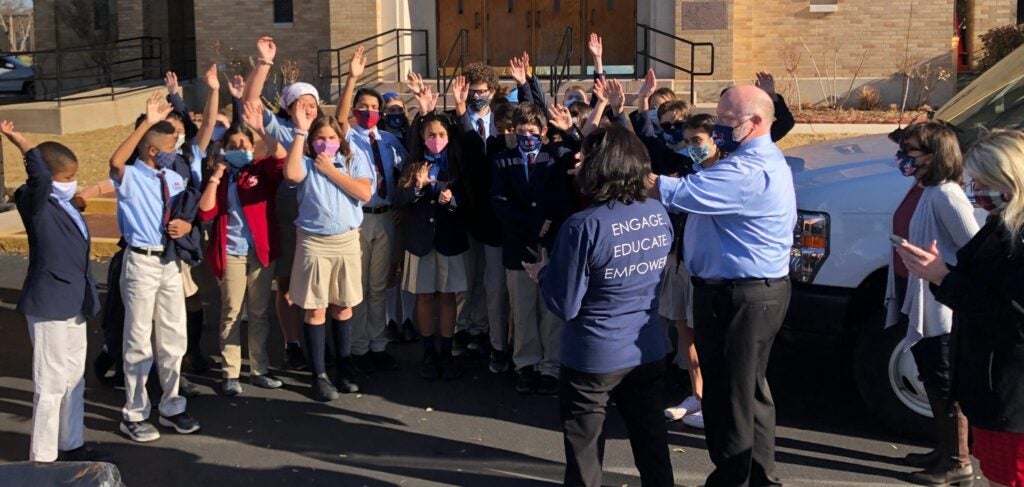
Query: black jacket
[784, 121]
[429, 225]
[477, 154]
[59, 284]
[985, 290]
[186, 207]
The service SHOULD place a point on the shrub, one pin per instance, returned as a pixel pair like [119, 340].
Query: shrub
[868, 98]
[999, 42]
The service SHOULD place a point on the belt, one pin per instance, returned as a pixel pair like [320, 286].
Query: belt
[376, 210]
[147, 252]
[747, 281]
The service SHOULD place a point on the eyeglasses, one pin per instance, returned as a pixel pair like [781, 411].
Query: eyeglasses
[672, 125]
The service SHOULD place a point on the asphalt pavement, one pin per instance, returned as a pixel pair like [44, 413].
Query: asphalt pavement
[402, 430]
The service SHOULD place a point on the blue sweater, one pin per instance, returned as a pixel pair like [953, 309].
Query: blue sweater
[602, 279]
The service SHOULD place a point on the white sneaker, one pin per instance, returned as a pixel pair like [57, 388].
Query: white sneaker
[689, 406]
[695, 420]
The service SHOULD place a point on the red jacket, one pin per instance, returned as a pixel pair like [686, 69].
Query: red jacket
[257, 190]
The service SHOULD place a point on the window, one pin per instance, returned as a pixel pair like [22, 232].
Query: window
[284, 12]
[101, 14]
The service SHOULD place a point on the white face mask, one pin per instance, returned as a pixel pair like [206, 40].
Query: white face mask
[64, 191]
[180, 142]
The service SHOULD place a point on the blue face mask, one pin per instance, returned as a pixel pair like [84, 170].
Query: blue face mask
[722, 135]
[395, 120]
[906, 164]
[165, 160]
[238, 158]
[652, 115]
[479, 103]
[698, 153]
[528, 143]
[672, 136]
[569, 101]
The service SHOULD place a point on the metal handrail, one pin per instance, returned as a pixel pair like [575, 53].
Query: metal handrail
[557, 78]
[399, 56]
[444, 82]
[645, 57]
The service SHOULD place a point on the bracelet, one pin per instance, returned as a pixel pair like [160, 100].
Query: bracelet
[265, 62]
[297, 131]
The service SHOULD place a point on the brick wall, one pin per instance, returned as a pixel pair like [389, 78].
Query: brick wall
[984, 15]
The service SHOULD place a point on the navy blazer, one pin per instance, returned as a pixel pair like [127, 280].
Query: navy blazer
[477, 154]
[59, 284]
[523, 205]
[429, 225]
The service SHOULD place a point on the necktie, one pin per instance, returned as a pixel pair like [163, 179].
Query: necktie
[481, 129]
[531, 162]
[378, 164]
[165, 196]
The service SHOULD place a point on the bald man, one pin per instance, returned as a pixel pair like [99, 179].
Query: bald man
[736, 246]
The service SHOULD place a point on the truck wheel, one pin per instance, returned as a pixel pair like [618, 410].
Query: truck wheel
[887, 379]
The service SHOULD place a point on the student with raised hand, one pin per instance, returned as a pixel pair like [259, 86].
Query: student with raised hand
[377, 236]
[532, 195]
[784, 121]
[151, 285]
[431, 191]
[333, 183]
[239, 198]
[527, 86]
[396, 118]
[649, 99]
[295, 97]
[58, 298]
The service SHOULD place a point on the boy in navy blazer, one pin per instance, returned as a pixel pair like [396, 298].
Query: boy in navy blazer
[532, 194]
[58, 297]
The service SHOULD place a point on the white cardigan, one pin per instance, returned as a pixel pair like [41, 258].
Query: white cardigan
[946, 216]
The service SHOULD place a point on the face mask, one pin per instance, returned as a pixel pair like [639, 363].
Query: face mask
[324, 147]
[511, 140]
[165, 160]
[528, 143]
[725, 138]
[436, 145]
[64, 191]
[652, 115]
[990, 201]
[672, 136]
[238, 158]
[569, 101]
[218, 131]
[395, 120]
[907, 165]
[180, 142]
[367, 119]
[479, 103]
[699, 153]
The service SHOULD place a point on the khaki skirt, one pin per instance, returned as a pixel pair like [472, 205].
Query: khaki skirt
[434, 273]
[675, 301]
[327, 270]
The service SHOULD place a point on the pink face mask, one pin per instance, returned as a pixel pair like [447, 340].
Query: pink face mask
[436, 145]
[329, 148]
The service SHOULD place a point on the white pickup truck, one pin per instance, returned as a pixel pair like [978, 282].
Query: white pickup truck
[847, 191]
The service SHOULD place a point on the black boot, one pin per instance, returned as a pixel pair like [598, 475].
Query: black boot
[953, 464]
[194, 359]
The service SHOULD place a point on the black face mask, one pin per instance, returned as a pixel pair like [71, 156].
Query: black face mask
[511, 141]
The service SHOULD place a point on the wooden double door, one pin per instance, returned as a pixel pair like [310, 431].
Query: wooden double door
[501, 29]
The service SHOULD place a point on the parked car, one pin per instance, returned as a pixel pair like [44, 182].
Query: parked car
[17, 77]
[847, 191]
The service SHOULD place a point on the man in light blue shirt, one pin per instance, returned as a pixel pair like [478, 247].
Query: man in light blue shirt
[736, 246]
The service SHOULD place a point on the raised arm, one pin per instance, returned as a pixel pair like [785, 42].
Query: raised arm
[236, 86]
[202, 140]
[643, 96]
[356, 67]
[295, 168]
[208, 202]
[156, 111]
[460, 91]
[175, 99]
[601, 102]
[253, 117]
[267, 51]
[596, 48]
[7, 128]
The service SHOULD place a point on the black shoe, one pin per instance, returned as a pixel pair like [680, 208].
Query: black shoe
[294, 358]
[409, 333]
[392, 333]
[479, 345]
[84, 454]
[547, 385]
[944, 473]
[527, 381]
[449, 369]
[429, 367]
[459, 343]
[323, 389]
[182, 423]
[101, 365]
[265, 381]
[364, 364]
[384, 361]
[187, 389]
[195, 363]
[499, 362]
[231, 387]
[345, 378]
[922, 460]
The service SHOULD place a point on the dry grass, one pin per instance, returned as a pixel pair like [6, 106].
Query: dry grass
[793, 140]
[92, 148]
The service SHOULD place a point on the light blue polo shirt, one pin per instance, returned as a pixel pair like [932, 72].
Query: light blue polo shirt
[281, 130]
[324, 209]
[392, 156]
[140, 207]
[239, 236]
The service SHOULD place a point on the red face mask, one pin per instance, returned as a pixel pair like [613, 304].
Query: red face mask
[367, 119]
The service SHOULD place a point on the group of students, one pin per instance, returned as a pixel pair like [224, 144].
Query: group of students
[453, 207]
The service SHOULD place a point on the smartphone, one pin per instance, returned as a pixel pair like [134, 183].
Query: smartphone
[896, 239]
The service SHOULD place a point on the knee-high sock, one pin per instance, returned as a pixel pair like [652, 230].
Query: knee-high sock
[316, 343]
[342, 332]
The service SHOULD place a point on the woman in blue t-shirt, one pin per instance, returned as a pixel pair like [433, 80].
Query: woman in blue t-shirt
[605, 267]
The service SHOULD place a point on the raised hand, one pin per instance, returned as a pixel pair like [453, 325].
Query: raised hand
[600, 91]
[423, 176]
[616, 95]
[357, 65]
[266, 48]
[7, 127]
[302, 121]
[518, 70]
[460, 90]
[427, 99]
[766, 82]
[171, 81]
[560, 117]
[236, 86]
[414, 82]
[156, 109]
[595, 45]
[650, 82]
[526, 62]
[211, 78]
[253, 116]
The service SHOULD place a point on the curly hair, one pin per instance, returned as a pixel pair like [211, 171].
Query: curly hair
[481, 73]
[615, 167]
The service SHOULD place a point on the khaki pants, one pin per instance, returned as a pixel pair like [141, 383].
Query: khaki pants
[58, 366]
[486, 300]
[377, 240]
[536, 330]
[471, 305]
[245, 281]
